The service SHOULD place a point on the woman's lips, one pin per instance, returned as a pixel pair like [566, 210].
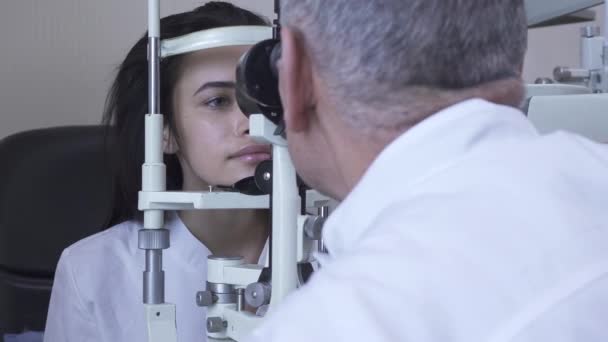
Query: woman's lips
[252, 153]
[253, 157]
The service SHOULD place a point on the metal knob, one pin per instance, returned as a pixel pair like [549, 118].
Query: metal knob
[153, 239]
[204, 298]
[257, 294]
[544, 80]
[562, 74]
[313, 227]
[590, 31]
[216, 324]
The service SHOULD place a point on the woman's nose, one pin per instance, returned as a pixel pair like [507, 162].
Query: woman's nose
[242, 124]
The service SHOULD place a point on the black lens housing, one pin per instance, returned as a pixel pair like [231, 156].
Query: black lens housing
[257, 84]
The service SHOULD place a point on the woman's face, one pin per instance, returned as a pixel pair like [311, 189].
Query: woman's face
[213, 143]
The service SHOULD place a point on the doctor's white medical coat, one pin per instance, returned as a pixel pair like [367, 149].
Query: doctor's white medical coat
[469, 227]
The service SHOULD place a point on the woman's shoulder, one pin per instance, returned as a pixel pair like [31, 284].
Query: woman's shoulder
[118, 240]
[96, 280]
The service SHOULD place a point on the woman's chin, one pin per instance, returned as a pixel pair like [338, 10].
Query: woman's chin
[245, 173]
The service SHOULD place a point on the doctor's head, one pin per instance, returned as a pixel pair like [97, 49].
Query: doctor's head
[206, 138]
[355, 74]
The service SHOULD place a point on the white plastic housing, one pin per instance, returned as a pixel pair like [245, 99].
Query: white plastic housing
[592, 53]
[153, 18]
[214, 38]
[153, 170]
[182, 200]
[161, 322]
[553, 113]
[286, 202]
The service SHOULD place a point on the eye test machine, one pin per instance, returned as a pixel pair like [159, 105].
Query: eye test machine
[237, 295]
[295, 235]
[576, 97]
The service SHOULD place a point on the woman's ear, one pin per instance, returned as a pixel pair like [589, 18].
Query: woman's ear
[169, 143]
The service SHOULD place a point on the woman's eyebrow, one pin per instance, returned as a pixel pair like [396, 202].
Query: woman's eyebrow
[216, 84]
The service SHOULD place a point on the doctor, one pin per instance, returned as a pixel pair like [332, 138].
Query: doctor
[458, 221]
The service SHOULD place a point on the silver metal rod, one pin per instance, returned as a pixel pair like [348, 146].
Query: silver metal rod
[322, 247]
[323, 212]
[154, 75]
[240, 299]
[276, 28]
[154, 277]
[154, 260]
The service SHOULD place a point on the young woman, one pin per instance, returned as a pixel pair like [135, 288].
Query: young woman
[97, 294]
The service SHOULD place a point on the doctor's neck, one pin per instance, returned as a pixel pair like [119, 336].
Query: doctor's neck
[353, 147]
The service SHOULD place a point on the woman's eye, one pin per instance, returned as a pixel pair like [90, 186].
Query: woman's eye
[218, 102]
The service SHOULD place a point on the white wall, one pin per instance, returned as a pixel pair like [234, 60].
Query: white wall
[57, 57]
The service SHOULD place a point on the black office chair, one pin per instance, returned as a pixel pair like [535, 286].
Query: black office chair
[55, 189]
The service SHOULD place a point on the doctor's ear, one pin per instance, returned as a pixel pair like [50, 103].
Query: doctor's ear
[169, 143]
[295, 80]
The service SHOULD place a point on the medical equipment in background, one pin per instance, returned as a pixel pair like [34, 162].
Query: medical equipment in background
[575, 98]
[295, 234]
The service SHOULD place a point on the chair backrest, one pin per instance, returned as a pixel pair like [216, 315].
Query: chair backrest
[55, 189]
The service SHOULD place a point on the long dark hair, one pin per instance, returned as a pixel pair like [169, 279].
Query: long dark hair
[127, 102]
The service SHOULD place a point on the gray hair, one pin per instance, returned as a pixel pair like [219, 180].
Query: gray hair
[375, 54]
